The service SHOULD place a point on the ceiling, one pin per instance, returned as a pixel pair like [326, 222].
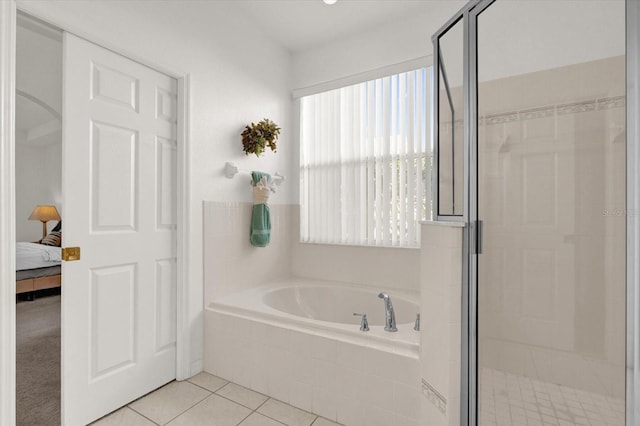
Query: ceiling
[38, 82]
[303, 24]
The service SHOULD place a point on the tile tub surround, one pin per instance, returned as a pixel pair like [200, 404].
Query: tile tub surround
[206, 400]
[230, 261]
[440, 294]
[394, 268]
[337, 379]
[350, 387]
[227, 252]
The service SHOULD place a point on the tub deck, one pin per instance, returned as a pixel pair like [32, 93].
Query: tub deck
[249, 304]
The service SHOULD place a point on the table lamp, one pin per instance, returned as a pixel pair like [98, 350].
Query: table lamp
[44, 214]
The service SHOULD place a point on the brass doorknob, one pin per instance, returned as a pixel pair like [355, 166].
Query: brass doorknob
[70, 254]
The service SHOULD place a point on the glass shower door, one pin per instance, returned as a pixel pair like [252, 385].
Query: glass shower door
[551, 197]
[450, 112]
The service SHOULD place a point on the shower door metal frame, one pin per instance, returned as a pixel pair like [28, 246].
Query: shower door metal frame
[471, 261]
[632, 17]
[474, 221]
[468, 343]
[471, 246]
[460, 16]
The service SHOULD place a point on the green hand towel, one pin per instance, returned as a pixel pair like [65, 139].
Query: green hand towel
[260, 216]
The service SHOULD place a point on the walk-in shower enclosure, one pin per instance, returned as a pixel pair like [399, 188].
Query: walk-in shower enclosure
[532, 153]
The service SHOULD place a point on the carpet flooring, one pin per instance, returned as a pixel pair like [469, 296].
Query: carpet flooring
[38, 362]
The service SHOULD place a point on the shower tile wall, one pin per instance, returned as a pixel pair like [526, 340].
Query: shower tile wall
[552, 151]
[231, 263]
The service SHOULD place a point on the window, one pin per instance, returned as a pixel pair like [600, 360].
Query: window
[365, 162]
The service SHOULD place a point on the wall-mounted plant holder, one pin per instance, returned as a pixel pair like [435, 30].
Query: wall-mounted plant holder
[256, 138]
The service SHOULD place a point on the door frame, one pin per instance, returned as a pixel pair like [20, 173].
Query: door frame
[8, 24]
[7, 213]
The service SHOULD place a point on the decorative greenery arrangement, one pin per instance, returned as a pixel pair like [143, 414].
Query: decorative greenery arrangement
[257, 137]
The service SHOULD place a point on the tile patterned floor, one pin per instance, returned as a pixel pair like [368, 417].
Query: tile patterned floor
[510, 400]
[209, 400]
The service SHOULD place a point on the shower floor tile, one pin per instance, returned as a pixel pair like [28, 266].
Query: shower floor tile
[511, 400]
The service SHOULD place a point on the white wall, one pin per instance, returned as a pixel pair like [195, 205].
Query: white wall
[558, 34]
[411, 38]
[38, 181]
[386, 45]
[237, 75]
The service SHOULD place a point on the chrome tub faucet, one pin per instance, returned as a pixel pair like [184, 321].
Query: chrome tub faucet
[390, 316]
[364, 324]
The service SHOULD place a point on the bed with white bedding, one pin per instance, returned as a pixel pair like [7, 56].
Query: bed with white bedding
[37, 267]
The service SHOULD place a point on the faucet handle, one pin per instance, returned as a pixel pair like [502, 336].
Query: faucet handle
[364, 324]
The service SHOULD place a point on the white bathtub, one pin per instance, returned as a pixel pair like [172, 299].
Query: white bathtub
[298, 341]
[327, 308]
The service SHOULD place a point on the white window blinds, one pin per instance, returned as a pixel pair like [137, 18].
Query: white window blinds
[365, 162]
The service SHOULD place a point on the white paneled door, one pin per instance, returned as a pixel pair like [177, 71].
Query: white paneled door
[119, 189]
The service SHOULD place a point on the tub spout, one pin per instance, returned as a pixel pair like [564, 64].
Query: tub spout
[389, 315]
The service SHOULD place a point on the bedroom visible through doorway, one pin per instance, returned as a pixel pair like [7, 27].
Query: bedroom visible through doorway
[39, 214]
